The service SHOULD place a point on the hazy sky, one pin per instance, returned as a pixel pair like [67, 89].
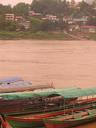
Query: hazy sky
[13, 2]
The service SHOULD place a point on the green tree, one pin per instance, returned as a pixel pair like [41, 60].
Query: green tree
[35, 24]
[2, 22]
[5, 9]
[62, 8]
[10, 26]
[85, 9]
[55, 7]
[49, 25]
[7, 25]
[21, 9]
[65, 8]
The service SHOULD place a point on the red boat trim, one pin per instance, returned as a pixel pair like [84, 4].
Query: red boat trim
[39, 118]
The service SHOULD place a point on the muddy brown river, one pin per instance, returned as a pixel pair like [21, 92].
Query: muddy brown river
[63, 63]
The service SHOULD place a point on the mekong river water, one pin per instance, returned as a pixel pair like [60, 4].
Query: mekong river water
[63, 63]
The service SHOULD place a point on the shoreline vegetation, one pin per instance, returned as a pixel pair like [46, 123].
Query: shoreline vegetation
[48, 20]
[8, 35]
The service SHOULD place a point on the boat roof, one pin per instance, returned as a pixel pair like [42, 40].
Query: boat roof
[17, 95]
[66, 93]
[55, 92]
[78, 92]
[30, 94]
[70, 92]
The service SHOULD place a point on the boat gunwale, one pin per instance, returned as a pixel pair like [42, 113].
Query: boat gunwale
[51, 121]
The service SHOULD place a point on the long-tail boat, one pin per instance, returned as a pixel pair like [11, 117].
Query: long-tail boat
[30, 101]
[17, 84]
[14, 84]
[37, 120]
[74, 118]
[29, 121]
[71, 120]
[37, 102]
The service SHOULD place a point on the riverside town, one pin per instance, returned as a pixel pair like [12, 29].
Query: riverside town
[70, 19]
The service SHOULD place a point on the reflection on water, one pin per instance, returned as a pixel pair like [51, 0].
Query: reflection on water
[65, 63]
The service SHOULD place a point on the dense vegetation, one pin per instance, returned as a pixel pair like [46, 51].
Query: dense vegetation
[63, 8]
[58, 8]
[55, 7]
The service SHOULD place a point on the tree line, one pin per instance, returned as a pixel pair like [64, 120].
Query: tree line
[63, 7]
[60, 8]
[55, 7]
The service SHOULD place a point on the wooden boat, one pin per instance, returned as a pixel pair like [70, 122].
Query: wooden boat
[14, 84]
[30, 120]
[75, 118]
[33, 121]
[28, 107]
[21, 86]
[31, 101]
[71, 120]
[17, 84]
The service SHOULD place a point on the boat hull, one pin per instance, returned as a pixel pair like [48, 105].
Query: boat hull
[21, 106]
[25, 124]
[19, 122]
[67, 124]
[36, 120]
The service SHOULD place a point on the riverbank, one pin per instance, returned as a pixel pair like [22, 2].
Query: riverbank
[6, 35]
[37, 35]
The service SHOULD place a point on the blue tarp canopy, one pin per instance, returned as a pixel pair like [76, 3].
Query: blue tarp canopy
[10, 80]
